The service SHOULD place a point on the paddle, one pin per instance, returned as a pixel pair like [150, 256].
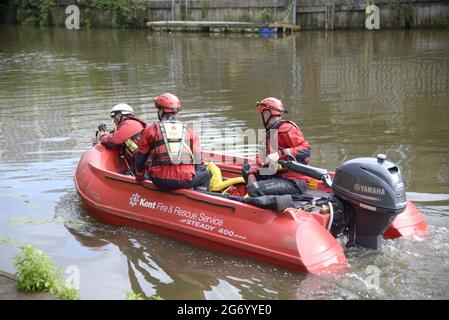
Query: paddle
[313, 172]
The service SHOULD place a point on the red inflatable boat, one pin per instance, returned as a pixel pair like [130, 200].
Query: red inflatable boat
[302, 239]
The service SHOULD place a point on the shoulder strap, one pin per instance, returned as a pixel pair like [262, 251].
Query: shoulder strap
[281, 122]
[141, 121]
[174, 158]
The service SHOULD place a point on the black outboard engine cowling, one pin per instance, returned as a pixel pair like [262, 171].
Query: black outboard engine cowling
[374, 190]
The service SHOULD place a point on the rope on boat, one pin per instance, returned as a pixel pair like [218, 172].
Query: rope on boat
[331, 219]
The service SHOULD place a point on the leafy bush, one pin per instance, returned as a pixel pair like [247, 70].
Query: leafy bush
[134, 296]
[245, 17]
[38, 12]
[130, 295]
[122, 10]
[266, 16]
[403, 14]
[204, 8]
[445, 23]
[36, 273]
[33, 12]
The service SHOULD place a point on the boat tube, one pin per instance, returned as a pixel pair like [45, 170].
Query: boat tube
[365, 201]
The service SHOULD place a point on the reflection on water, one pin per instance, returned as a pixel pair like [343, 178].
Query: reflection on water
[353, 94]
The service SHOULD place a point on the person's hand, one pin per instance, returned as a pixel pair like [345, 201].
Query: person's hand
[101, 134]
[94, 141]
[272, 158]
[251, 179]
[139, 175]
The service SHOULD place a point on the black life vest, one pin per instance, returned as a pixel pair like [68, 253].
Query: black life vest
[275, 126]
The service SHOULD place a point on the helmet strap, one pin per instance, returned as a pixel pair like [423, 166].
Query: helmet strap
[166, 116]
[266, 123]
[263, 120]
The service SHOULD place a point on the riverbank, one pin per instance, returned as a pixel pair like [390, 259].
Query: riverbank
[307, 14]
[9, 291]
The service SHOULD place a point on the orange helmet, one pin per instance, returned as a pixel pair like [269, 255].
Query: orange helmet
[274, 105]
[168, 102]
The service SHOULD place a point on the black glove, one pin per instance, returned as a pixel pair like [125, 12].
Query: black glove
[101, 128]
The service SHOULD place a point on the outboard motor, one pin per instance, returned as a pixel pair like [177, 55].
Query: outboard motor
[373, 194]
[368, 194]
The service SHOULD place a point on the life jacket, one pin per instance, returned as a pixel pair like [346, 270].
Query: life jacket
[171, 145]
[278, 123]
[130, 145]
[265, 143]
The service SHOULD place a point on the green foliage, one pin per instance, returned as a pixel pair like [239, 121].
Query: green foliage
[123, 13]
[204, 8]
[36, 12]
[35, 270]
[244, 17]
[66, 293]
[3, 9]
[266, 16]
[122, 10]
[403, 13]
[130, 295]
[446, 23]
[36, 273]
[33, 12]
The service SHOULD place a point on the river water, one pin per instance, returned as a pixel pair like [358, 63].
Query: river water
[353, 93]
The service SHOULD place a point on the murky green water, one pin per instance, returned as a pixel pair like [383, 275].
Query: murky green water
[353, 94]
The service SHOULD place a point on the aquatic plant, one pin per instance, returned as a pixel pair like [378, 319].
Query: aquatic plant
[37, 273]
[23, 220]
[5, 240]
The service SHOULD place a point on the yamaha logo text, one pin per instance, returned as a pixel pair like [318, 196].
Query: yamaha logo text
[368, 189]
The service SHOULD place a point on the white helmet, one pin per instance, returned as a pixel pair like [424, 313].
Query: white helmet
[123, 108]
